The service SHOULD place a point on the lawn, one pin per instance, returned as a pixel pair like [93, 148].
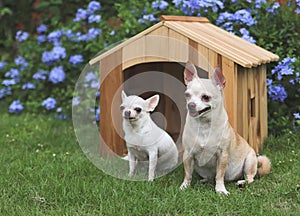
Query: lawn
[44, 172]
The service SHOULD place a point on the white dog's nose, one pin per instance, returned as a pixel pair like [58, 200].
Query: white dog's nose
[127, 114]
[191, 106]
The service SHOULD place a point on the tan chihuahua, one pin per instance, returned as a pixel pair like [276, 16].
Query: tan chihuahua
[145, 141]
[210, 144]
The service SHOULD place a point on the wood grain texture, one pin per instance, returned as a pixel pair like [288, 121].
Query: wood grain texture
[110, 116]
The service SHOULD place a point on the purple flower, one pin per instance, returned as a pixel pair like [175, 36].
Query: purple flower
[95, 84]
[57, 75]
[284, 68]
[296, 115]
[16, 107]
[94, 6]
[40, 75]
[112, 33]
[80, 15]
[97, 114]
[12, 73]
[94, 18]
[41, 38]
[93, 33]
[49, 103]
[90, 76]
[246, 35]
[2, 65]
[9, 82]
[21, 35]
[55, 55]
[41, 28]
[22, 62]
[5, 91]
[147, 17]
[274, 8]
[75, 101]
[269, 82]
[258, 3]
[277, 93]
[159, 4]
[28, 86]
[55, 36]
[76, 59]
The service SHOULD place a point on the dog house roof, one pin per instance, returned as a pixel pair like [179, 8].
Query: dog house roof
[200, 30]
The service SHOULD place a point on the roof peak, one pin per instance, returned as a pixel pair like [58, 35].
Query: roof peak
[184, 18]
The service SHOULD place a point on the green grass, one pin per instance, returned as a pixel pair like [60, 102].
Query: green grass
[44, 172]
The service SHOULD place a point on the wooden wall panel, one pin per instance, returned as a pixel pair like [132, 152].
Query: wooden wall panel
[230, 91]
[213, 61]
[178, 47]
[203, 57]
[157, 45]
[134, 53]
[110, 117]
[242, 102]
[263, 109]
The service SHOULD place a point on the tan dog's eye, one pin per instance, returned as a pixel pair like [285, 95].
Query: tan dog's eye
[122, 108]
[138, 110]
[205, 98]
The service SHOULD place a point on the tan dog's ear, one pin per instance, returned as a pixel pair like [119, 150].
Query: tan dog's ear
[152, 103]
[190, 72]
[123, 95]
[219, 79]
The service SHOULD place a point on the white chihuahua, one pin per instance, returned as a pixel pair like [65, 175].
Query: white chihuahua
[210, 144]
[145, 141]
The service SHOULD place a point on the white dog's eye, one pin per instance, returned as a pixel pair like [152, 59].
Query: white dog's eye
[138, 109]
[187, 95]
[205, 98]
[122, 108]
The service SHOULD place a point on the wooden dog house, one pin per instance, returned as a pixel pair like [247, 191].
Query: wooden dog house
[167, 46]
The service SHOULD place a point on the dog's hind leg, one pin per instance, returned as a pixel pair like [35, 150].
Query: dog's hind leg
[250, 168]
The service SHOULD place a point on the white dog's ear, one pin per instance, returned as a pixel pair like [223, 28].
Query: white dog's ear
[190, 72]
[219, 79]
[123, 95]
[152, 103]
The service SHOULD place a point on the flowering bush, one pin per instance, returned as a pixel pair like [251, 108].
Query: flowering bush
[49, 60]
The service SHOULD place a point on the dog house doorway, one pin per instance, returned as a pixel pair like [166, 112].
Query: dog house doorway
[167, 80]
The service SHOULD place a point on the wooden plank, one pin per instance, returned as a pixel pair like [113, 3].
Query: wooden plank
[184, 18]
[193, 52]
[203, 57]
[230, 91]
[178, 47]
[263, 110]
[134, 53]
[242, 102]
[125, 43]
[213, 61]
[110, 117]
[157, 45]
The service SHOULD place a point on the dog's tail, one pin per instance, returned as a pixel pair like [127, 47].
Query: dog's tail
[264, 165]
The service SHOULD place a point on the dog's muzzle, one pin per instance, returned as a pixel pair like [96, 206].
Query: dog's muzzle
[194, 112]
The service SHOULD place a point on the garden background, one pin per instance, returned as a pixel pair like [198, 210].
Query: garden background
[45, 45]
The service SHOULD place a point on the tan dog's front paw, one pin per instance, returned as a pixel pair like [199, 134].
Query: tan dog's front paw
[222, 190]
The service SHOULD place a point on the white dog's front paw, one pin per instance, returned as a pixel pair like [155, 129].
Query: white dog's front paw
[184, 185]
[222, 190]
[130, 174]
